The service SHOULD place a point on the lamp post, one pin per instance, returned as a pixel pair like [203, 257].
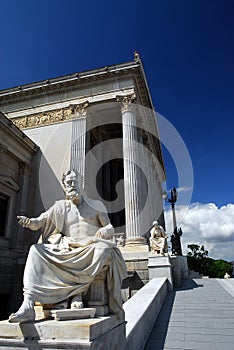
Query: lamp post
[175, 238]
[173, 200]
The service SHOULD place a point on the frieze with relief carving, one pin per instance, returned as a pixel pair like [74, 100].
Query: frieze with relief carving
[50, 117]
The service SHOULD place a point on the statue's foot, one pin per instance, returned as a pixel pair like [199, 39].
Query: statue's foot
[22, 315]
[76, 302]
[61, 305]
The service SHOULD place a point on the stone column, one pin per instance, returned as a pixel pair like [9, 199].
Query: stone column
[148, 217]
[131, 172]
[78, 142]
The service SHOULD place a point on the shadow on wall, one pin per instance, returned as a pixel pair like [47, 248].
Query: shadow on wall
[48, 187]
[45, 189]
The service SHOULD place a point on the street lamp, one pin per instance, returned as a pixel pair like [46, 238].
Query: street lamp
[175, 238]
[173, 200]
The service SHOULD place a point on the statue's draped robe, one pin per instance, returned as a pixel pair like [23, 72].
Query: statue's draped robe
[158, 240]
[57, 271]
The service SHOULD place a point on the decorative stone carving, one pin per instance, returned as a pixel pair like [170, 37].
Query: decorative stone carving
[51, 117]
[126, 102]
[80, 110]
[119, 239]
[137, 56]
[44, 118]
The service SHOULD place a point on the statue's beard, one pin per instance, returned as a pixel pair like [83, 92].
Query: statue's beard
[74, 196]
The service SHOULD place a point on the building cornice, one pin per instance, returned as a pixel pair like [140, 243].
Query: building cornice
[59, 109]
[62, 112]
[78, 81]
[10, 129]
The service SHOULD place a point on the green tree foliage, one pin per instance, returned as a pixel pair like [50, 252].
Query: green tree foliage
[199, 261]
[198, 252]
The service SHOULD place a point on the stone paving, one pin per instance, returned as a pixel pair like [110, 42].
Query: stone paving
[197, 316]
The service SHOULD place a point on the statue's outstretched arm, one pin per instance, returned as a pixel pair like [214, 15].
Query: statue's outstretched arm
[33, 223]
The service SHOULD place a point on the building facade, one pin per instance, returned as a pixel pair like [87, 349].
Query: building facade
[102, 123]
[16, 196]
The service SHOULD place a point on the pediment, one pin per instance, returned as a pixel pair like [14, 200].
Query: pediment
[9, 182]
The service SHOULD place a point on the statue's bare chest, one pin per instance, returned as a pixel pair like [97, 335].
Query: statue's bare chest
[83, 213]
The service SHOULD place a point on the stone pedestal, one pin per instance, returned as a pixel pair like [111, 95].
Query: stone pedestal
[180, 269]
[160, 266]
[136, 259]
[103, 333]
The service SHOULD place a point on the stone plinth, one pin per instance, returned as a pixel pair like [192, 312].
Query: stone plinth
[73, 314]
[180, 269]
[160, 266]
[96, 333]
[136, 259]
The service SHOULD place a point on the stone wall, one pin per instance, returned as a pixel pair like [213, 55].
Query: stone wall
[16, 155]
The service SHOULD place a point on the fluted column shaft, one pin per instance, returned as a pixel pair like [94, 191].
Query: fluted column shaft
[131, 171]
[78, 146]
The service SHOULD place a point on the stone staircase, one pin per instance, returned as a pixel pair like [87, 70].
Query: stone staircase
[199, 315]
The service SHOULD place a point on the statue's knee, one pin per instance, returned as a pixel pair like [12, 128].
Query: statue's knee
[32, 249]
[101, 246]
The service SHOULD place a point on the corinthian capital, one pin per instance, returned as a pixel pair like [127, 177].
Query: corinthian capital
[126, 102]
[80, 110]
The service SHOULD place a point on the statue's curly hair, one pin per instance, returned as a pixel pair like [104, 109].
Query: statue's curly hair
[68, 172]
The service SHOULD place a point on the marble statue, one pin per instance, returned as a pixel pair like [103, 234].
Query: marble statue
[75, 247]
[158, 239]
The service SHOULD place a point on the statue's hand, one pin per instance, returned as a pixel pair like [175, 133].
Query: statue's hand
[28, 223]
[103, 233]
[23, 221]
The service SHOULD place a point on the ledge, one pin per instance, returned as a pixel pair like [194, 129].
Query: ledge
[141, 311]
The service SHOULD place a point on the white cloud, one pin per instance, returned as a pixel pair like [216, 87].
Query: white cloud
[206, 224]
[184, 189]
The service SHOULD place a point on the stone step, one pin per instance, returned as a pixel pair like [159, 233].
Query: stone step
[199, 315]
[80, 334]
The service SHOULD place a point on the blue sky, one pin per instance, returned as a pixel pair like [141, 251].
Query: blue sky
[187, 48]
